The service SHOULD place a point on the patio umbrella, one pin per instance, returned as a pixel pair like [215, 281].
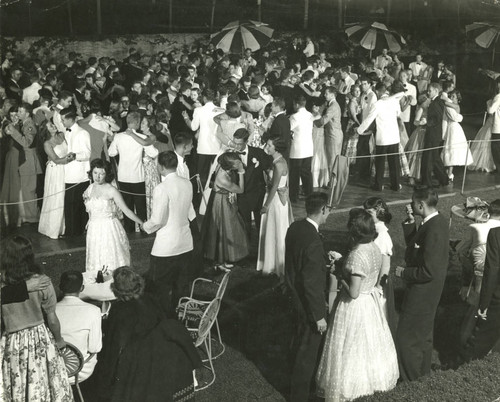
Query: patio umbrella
[237, 36]
[375, 35]
[486, 34]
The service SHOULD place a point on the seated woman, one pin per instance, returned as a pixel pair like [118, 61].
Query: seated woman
[472, 253]
[143, 352]
[32, 368]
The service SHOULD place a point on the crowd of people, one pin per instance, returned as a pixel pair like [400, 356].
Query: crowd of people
[237, 139]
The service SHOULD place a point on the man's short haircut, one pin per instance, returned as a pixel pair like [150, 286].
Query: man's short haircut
[71, 281]
[208, 94]
[80, 83]
[300, 101]
[436, 85]
[331, 90]
[315, 202]
[233, 110]
[307, 76]
[246, 78]
[133, 118]
[183, 138]
[185, 86]
[427, 195]
[280, 102]
[69, 113]
[168, 160]
[65, 95]
[27, 107]
[380, 87]
[494, 208]
[241, 134]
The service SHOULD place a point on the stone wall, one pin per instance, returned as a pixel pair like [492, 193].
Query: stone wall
[57, 48]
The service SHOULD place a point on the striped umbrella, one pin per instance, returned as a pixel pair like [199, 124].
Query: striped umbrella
[375, 35]
[486, 34]
[240, 35]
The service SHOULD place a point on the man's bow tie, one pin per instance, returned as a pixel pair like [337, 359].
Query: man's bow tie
[418, 64]
[241, 152]
[68, 129]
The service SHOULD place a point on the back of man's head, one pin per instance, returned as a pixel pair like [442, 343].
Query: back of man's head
[427, 195]
[71, 282]
[168, 160]
[315, 202]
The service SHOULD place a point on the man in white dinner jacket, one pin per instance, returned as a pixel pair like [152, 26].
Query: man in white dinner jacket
[301, 150]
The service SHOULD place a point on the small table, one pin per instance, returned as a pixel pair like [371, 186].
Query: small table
[96, 291]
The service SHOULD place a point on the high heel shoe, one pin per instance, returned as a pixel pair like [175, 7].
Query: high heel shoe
[451, 177]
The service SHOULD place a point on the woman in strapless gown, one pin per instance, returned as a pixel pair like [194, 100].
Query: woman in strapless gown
[276, 213]
[51, 222]
[107, 243]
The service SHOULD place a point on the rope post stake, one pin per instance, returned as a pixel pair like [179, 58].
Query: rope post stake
[465, 167]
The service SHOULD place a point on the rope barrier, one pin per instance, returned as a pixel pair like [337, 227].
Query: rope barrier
[41, 198]
[200, 188]
[419, 150]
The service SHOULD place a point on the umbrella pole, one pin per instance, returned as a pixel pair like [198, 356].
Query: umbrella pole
[493, 55]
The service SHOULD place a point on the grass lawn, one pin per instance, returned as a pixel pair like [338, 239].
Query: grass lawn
[255, 317]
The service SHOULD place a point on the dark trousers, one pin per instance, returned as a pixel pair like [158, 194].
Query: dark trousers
[495, 150]
[414, 345]
[75, 216]
[393, 162]
[300, 169]
[196, 266]
[136, 202]
[306, 348]
[168, 280]
[432, 163]
[485, 334]
[248, 204]
[362, 149]
[204, 163]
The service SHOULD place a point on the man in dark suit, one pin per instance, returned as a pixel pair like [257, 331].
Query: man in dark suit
[431, 160]
[487, 331]
[280, 128]
[256, 161]
[305, 278]
[426, 266]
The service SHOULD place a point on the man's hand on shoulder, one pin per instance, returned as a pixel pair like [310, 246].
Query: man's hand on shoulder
[37, 283]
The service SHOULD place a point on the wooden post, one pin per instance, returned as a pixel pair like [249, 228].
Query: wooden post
[259, 10]
[212, 17]
[30, 22]
[70, 19]
[306, 13]
[99, 18]
[170, 16]
[465, 168]
[340, 11]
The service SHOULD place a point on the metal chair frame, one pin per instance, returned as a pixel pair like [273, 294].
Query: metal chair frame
[203, 338]
[190, 305]
[73, 371]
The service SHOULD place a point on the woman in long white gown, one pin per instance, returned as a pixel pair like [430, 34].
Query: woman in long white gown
[51, 222]
[359, 356]
[456, 151]
[276, 213]
[107, 243]
[481, 148]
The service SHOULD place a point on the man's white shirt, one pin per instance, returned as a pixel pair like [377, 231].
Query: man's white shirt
[81, 326]
[130, 168]
[301, 124]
